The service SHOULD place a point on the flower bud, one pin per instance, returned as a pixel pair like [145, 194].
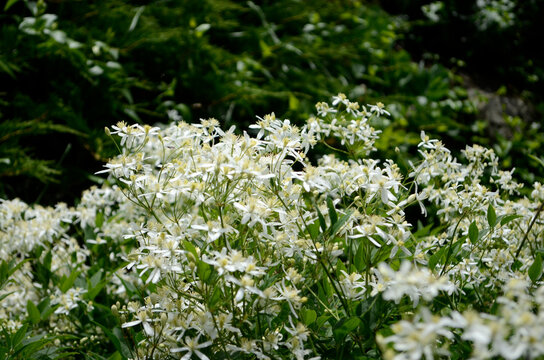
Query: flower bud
[164, 319]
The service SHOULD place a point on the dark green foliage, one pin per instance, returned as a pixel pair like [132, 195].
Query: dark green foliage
[462, 33]
[101, 62]
[501, 59]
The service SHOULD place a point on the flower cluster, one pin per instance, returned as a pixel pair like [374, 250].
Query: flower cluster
[62, 258]
[233, 228]
[415, 283]
[207, 243]
[515, 331]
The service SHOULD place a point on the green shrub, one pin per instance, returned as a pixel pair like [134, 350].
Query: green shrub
[83, 66]
[215, 245]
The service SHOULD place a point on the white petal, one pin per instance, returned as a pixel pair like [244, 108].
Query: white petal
[131, 323]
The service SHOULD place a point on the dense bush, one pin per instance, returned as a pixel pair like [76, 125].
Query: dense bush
[491, 43]
[340, 230]
[493, 40]
[214, 245]
[76, 67]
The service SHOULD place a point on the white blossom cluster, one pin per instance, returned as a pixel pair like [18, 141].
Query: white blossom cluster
[495, 12]
[223, 245]
[226, 194]
[493, 257]
[54, 236]
[414, 283]
[488, 13]
[241, 202]
[516, 331]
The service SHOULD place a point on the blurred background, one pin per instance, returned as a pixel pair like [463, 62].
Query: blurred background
[463, 71]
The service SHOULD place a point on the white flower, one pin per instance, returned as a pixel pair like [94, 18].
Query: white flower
[339, 99]
[291, 295]
[352, 285]
[67, 301]
[300, 330]
[246, 285]
[192, 347]
[142, 318]
[417, 339]
[413, 282]
[378, 109]
[174, 115]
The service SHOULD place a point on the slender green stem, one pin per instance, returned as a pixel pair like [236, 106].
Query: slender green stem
[538, 211]
[451, 243]
[478, 295]
[335, 149]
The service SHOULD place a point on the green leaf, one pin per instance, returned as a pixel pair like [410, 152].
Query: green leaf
[359, 259]
[69, 281]
[99, 221]
[322, 221]
[322, 320]
[43, 270]
[421, 230]
[344, 327]
[132, 114]
[473, 232]
[365, 306]
[190, 248]
[117, 338]
[535, 270]
[94, 291]
[216, 296]
[516, 265]
[129, 287]
[340, 223]
[45, 308]
[508, 218]
[47, 260]
[322, 294]
[539, 160]
[436, 257]
[327, 288]
[3, 272]
[308, 316]
[294, 103]
[204, 271]
[491, 216]
[95, 279]
[33, 312]
[339, 267]
[265, 49]
[31, 347]
[7, 269]
[9, 4]
[116, 356]
[332, 211]
[313, 230]
[19, 336]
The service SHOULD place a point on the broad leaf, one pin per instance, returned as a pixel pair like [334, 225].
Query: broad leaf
[473, 232]
[491, 216]
[344, 327]
[33, 312]
[535, 270]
